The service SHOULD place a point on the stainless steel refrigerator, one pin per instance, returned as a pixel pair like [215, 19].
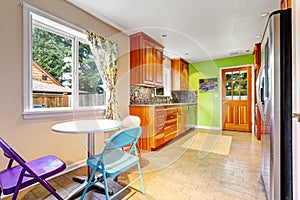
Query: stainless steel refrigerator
[274, 97]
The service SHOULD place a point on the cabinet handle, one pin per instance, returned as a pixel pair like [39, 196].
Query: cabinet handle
[297, 115]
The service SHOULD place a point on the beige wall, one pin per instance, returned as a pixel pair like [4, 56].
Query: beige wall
[33, 138]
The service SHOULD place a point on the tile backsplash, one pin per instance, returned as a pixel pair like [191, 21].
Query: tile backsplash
[181, 96]
[141, 95]
[146, 95]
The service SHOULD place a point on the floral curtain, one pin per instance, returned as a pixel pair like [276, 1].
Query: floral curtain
[105, 54]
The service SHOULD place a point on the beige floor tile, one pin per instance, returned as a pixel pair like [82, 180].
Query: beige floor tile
[173, 172]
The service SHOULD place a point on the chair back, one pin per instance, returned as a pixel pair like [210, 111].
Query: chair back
[25, 174]
[131, 120]
[128, 136]
[10, 153]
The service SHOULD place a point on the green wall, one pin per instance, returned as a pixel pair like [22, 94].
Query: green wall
[209, 102]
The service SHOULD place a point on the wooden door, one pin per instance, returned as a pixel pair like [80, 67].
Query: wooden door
[236, 99]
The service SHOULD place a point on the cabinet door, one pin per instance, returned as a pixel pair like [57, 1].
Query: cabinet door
[184, 76]
[159, 70]
[148, 63]
[180, 74]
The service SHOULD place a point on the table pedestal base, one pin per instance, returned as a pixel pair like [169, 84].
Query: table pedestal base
[83, 180]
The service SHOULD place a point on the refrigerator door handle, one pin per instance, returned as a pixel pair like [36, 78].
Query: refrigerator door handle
[297, 115]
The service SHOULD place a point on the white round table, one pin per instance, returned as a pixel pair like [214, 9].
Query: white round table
[88, 127]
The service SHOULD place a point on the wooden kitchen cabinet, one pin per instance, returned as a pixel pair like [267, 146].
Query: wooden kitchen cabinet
[180, 74]
[160, 123]
[183, 119]
[171, 121]
[146, 61]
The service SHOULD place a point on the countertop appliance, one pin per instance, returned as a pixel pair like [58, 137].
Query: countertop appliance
[274, 97]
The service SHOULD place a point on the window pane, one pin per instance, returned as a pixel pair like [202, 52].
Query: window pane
[51, 69]
[91, 91]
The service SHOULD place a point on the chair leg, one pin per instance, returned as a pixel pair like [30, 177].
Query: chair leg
[139, 152]
[14, 197]
[141, 178]
[105, 186]
[50, 189]
[88, 184]
[46, 185]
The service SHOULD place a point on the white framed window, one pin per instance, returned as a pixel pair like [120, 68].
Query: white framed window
[59, 73]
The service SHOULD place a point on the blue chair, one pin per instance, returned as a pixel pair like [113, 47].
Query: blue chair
[25, 174]
[113, 161]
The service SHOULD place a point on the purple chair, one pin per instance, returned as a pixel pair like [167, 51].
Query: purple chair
[15, 178]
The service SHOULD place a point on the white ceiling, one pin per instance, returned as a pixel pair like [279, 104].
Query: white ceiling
[196, 30]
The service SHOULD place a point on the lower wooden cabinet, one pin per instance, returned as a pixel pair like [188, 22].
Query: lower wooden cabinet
[183, 119]
[160, 124]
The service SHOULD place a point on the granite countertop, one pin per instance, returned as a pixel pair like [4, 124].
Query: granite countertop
[164, 104]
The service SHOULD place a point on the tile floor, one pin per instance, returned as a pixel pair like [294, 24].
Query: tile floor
[173, 172]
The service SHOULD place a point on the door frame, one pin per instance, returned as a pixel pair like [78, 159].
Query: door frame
[296, 96]
[252, 90]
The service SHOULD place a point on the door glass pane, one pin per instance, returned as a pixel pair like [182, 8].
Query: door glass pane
[236, 95]
[243, 75]
[236, 75]
[235, 85]
[243, 85]
[228, 85]
[244, 95]
[228, 76]
[228, 95]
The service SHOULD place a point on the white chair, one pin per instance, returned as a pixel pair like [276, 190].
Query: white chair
[130, 121]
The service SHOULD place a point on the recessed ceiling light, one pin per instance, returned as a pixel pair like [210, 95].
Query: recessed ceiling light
[164, 35]
[258, 36]
[263, 15]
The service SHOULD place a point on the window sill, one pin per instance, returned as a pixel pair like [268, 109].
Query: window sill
[39, 113]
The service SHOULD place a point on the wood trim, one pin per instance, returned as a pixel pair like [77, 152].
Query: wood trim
[257, 65]
[146, 37]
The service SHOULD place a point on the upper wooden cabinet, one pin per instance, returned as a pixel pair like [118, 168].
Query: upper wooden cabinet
[285, 4]
[180, 74]
[146, 61]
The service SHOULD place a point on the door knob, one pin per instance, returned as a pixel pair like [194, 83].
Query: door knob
[297, 115]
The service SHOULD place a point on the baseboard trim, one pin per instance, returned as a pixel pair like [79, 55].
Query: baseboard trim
[209, 127]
